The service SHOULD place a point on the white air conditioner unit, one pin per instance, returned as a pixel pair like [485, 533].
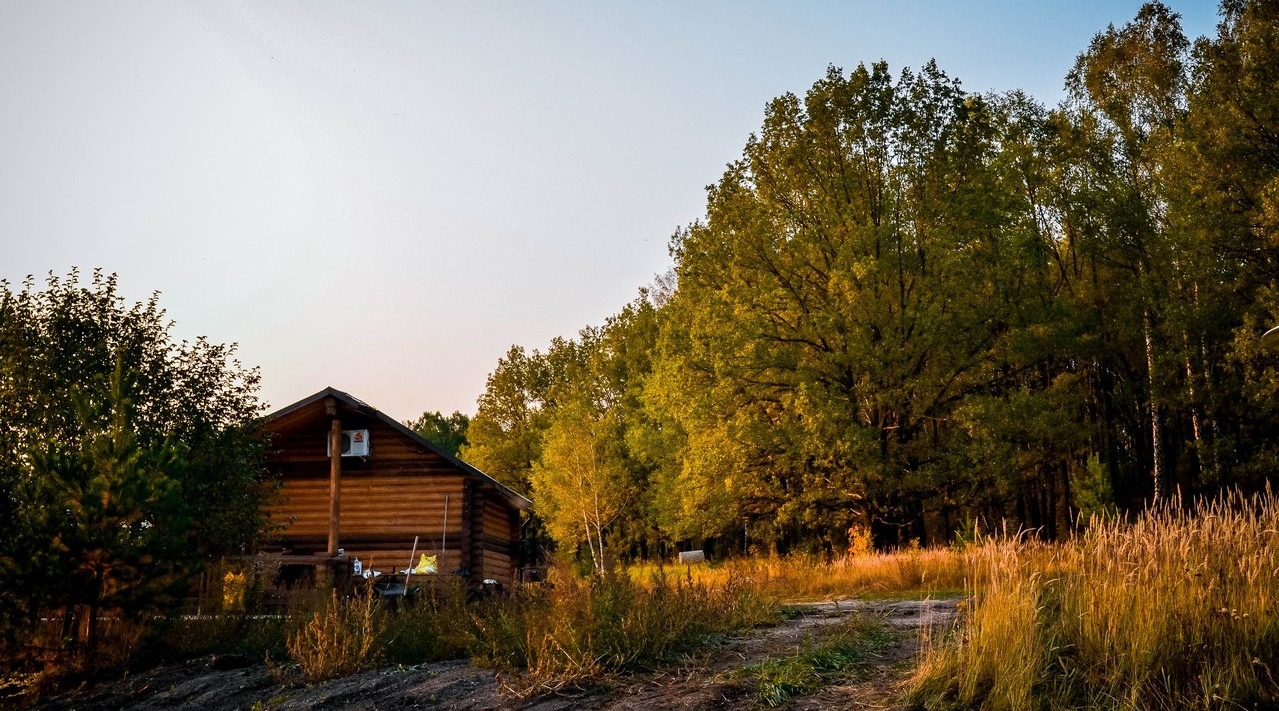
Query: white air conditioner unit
[355, 443]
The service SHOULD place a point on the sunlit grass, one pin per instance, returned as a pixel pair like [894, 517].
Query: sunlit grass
[575, 629]
[1176, 610]
[798, 578]
[568, 632]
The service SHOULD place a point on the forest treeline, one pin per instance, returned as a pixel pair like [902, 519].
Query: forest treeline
[911, 311]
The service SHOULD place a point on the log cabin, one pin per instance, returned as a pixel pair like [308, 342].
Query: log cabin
[357, 484]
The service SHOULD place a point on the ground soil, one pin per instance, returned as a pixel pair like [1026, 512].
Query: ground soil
[704, 681]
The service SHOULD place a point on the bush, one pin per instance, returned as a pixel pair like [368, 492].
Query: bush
[433, 628]
[189, 636]
[339, 639]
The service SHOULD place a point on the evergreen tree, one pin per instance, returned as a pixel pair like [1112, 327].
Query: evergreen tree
[128, 459]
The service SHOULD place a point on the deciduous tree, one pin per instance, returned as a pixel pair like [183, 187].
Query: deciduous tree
[449, 433]
[127, 458]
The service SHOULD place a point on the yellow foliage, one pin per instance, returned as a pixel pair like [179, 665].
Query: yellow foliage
[859, 541]
[233, 587]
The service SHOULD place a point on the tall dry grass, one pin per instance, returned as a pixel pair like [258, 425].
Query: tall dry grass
[541, 637]
[342, 637]
[795, 578]
[338, 636]
[1175, 611]
[565, 633]
[574, 629]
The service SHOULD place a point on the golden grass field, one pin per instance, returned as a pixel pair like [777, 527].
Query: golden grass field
[1176, 610]
[907, 573]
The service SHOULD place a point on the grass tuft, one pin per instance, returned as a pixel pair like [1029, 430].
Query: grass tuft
[340, 638]
[573, 630]
[851, 649]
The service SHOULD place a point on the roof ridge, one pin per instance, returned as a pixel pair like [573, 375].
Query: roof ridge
[521, 501]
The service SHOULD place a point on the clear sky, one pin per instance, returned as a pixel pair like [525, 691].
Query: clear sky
[385, 196]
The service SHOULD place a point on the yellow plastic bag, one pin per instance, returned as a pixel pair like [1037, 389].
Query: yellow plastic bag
[425, 565]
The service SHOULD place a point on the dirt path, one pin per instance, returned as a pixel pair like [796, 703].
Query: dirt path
[915, 620]
[710, 684]
[704, 682]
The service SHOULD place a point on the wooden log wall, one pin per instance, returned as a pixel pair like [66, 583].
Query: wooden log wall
[499, 538]
[399, 491]
[373, 506]
[499, 567]
[475, 501]
[501, 524]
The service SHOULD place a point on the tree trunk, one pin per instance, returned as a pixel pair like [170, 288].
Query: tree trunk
[1156, 422]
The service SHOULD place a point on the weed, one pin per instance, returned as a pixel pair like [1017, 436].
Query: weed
[850, 649]
[340, 638]
[185, 636]
[436, 627]
[573, 630]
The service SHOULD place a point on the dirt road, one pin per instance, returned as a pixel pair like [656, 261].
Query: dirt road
[710, 680]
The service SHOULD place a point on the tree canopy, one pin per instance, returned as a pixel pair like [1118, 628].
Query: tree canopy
[448, 432]
[909, 308]
[128, 459]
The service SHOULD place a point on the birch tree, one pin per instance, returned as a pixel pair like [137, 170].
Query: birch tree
[1128, 92]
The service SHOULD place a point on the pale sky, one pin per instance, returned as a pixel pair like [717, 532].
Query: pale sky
[385, 196]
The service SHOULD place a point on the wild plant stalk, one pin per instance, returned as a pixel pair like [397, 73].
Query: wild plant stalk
[541, 637]
[1176, 610]
[434, 627]
[338, 639]
[578, 628]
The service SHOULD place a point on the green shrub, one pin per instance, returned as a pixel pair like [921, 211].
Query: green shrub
[434, 627]
[188, 636]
